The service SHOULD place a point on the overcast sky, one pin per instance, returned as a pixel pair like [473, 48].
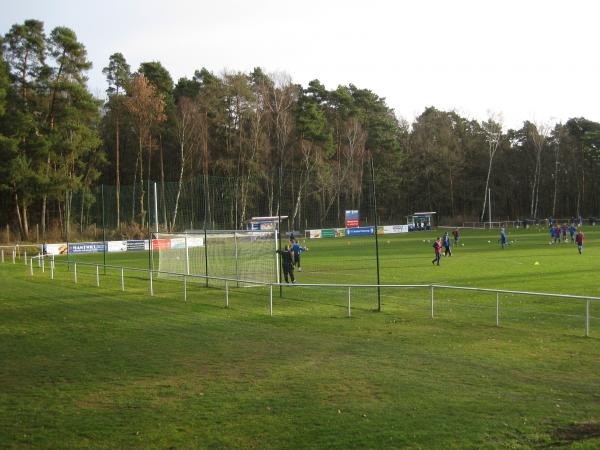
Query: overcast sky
[527, 60]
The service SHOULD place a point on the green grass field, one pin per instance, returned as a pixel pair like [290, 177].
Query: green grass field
[89, 367]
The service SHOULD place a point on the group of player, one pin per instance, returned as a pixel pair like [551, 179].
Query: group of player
[290, 258]
[559, 234]
[445, 243]
[556, 234]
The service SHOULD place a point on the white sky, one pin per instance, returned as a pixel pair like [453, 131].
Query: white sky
[527, 60]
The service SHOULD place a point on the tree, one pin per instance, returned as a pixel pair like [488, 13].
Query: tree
[188, 136]
[146, 108]
[4, 82]
[160, 78]
[281, 99]
[117, 75]
[68, 96]
[493, 133]
[26, 53]
[539, 134]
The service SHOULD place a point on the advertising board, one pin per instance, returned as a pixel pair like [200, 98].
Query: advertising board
[86, 247]
[360, 231]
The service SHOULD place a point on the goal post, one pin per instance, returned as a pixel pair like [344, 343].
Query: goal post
[235, 255]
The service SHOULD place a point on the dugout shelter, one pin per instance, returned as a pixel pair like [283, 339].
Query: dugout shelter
[421, 221]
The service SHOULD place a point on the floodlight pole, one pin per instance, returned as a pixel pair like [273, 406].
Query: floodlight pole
[376, 237]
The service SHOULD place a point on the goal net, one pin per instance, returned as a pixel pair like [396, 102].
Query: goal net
[236, 255]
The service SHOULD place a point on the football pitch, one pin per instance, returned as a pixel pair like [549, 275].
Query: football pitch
[95, 367]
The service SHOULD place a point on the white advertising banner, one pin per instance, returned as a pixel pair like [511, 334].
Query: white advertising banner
[56, 249]
[117, 246]
[314, 234]
[395, 229]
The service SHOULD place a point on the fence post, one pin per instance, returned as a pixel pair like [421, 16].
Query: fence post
[226, 294]
[432, 301]
[271, 300]
[151, 286]
[97, 276]
[75, 272]
[587, 318]
[497, 308]
[349, 301]
[184, 288]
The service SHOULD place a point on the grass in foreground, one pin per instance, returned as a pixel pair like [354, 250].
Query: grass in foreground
[92, 367]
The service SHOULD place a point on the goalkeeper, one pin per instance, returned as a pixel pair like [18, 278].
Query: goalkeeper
[297, 250]
[287, 263]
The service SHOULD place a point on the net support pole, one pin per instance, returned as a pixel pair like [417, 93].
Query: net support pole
[587, 318]
[277, 264]
[497, 309]
[52, 269]
[39, 257]
[279, 219]
[122, 279]
[97, 276]
[68, 196]
[271, 300]
[31, 266]
[25, 257]
[2, 255]
[226, 294]
[150, 237]
[14, 256]
[490, 207]
[155, 208]
[187, 257]
[349, 301]
[376, 234]
[151, 286]
[205, 253]
[237, 262]
[75, 272]
[184, 288]
[432, 288]
[103, 233]
[43, 264]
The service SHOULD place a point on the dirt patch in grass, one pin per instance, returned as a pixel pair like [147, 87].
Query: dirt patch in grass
[577, 432]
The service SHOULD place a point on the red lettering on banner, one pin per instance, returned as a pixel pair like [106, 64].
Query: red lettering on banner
[161, 243]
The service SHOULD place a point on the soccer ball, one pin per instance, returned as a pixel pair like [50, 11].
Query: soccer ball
[489, 242]
[389, 242]
[462, 245]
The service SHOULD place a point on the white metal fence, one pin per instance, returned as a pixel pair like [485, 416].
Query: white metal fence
[39, 262]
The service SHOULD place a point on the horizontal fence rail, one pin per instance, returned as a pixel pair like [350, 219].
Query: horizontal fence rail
[229, 281]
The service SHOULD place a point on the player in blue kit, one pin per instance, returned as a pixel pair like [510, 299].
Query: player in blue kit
[297, 250]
